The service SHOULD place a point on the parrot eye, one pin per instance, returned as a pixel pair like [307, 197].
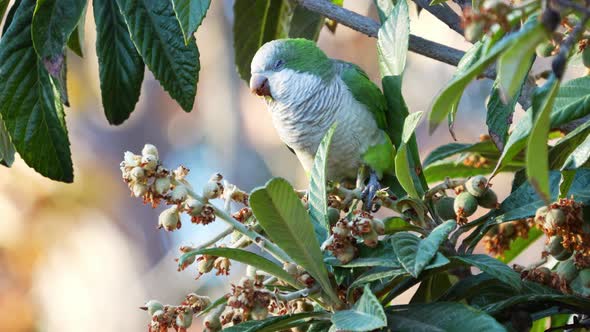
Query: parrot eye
[279, 64]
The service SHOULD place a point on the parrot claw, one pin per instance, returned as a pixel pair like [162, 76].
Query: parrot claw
[368, 194]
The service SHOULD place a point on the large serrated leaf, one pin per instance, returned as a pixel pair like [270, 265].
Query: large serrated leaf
[276, 323]
[559, 153]
[428, 247]
[53, 22]
[537, 153]
[476, 60]
[572, 102]
[493, 267]
[10, 16]
[256, 22]
[29, 105]
[546, 299]
[318, 196]
[190, 14]
[120, 66]
[441, 316]
[305, 24]
[402, 164]
[157, 35]
[7, 149]
[515, 63]
[367, 314]
[578, 157]
[444, 151]
[281, 214]
[414, 255]
[245, 257]
[440, 170]
[499, 115]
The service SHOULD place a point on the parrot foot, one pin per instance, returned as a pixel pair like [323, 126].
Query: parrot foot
[368, 195]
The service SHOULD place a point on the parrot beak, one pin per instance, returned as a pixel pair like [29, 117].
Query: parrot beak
[259, 85]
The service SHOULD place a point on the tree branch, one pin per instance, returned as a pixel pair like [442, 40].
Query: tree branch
[444, 13]
[369, 27]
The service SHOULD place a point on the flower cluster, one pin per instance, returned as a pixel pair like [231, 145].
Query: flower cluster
[249, 299]
[361, 228]
[179, 317]
[499, 237]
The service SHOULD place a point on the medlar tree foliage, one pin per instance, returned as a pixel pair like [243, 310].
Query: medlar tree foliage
[323, 263]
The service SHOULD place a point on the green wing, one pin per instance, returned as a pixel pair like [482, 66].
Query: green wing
[379, 157]
[365, 92]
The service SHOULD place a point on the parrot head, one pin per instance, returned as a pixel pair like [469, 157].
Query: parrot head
[284, 69]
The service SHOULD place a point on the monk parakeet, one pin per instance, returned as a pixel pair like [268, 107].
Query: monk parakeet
[306, 92]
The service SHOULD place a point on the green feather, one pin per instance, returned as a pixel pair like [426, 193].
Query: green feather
[365, 92]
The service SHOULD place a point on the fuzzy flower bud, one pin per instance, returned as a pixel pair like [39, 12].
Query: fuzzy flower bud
[169, 219]
[149, 163]
[152, 306]
[222, 265]
[131, 160]
[212, 190]
[137, 173]
[139, 189]
[162, 185]
[198, 302]
[193, 207]
[212, 321]
[150, 150]
[184, 319]
[179, 194]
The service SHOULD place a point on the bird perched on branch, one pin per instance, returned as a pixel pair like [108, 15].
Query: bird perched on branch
[306, 92]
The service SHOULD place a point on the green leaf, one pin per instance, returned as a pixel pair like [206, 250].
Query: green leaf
[120, 66]
[378, 273]
[3, 7]
[396, 224]
[10, 16]
[415, 254]
[305, 24]
[245, 257]
[537, 153]
[392, 41]
[276, 323]
[318, 196]
[53, 22]
[474, 63]
[567, 178]
[221, 300]
[402, 165]
[559, 153]
[76, 40]
[158, 37]
[444, 151]
[493, 267]
[7, 149]
[539, 325]
[572, 102]
[578, 157]
[545, 299]
[518, 245]
[432, 288]
[428, 247]
[440, 170]
[281, 214]
[256, 22]
[190, 14]
[367, 314]
[440, 316]
[499, 115]
[30, 108]
[515, 62]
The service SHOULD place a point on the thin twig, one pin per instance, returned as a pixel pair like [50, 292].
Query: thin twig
[370, 28]
[217, 237]
[444, 13]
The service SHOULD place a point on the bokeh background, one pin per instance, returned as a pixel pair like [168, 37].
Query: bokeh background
[85, 256]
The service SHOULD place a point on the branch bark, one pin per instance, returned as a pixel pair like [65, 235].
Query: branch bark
[370, 27]
[444, 13]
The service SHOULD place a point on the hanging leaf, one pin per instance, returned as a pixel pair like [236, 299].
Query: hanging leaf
[158, 37]
[120, 66]
[402, 165]
[318, 196]
[367, 314]
[494, 268]
[29, 102]
[190, 15]
[281, 214]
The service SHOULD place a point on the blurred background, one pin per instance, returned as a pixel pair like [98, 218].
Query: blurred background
[85, 256]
